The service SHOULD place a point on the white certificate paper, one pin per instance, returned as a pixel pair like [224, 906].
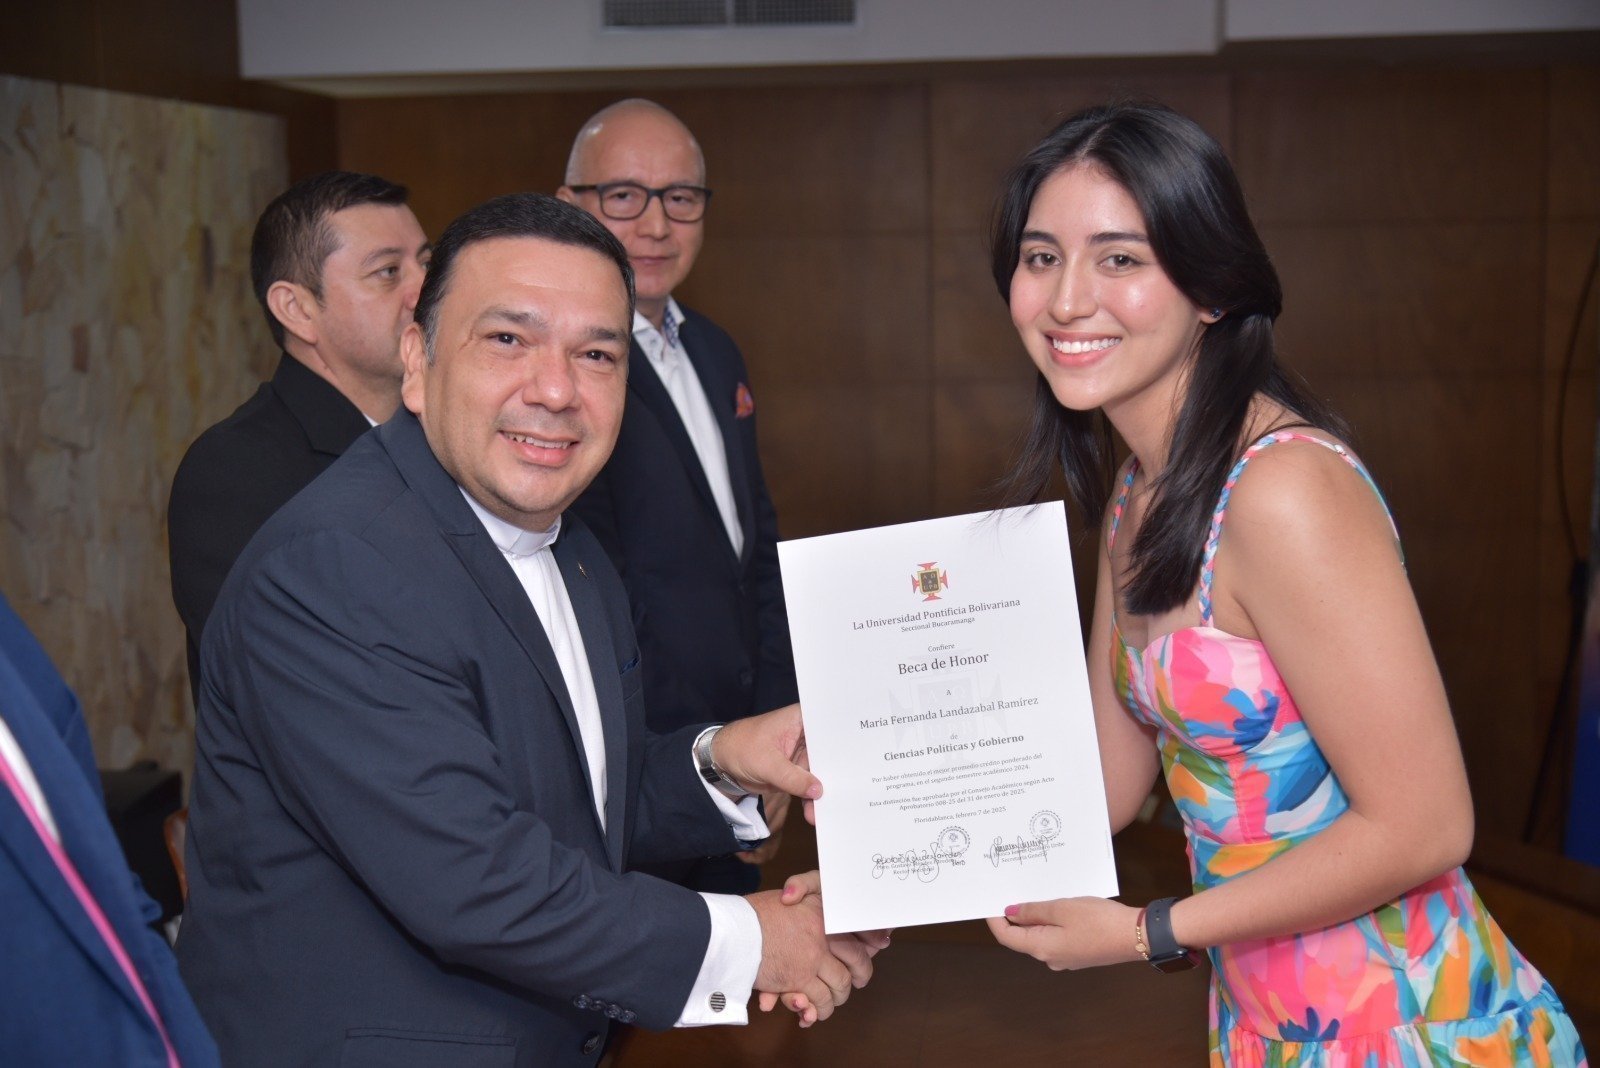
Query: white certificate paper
[947, 713]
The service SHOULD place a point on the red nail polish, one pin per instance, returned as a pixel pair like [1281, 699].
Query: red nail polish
[1012, 910]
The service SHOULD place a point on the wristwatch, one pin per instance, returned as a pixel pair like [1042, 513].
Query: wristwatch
[1164, 953]
[706, 764]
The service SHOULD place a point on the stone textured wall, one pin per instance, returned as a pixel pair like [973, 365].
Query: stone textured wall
[126, 327]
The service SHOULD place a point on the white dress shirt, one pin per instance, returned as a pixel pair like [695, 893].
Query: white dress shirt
[12, 754]
[733, 956]
[664, 349]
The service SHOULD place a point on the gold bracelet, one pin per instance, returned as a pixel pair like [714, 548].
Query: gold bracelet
[1138, 936]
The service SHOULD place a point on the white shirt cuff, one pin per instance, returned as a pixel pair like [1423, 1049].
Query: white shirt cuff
[742, 816]
[721, 992]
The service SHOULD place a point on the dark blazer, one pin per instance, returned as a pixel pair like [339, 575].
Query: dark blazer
[393, 854]
[63, 997]
[712, 627]
[239, 472]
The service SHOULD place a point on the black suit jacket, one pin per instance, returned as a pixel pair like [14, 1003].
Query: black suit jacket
[712, 626]
[394, 857]
[239, 472]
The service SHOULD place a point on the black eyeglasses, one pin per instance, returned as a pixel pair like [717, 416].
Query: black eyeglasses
[628, 200]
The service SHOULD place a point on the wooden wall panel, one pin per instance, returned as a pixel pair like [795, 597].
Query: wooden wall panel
[1358, 145]
[854, 450]
[1407, 224]
[980, 127]
[457, 151]
[973, 339]
[795, 162]
[1572, 243]
[1441, 456]
[820, 310]
[1437, 301]
[1574, 137]
[816, 243]
[1430, 224]
[977, 428]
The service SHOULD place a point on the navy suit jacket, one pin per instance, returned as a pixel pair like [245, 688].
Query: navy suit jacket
[239, 472]
[712, 626]
[63, 997]
[394, 856]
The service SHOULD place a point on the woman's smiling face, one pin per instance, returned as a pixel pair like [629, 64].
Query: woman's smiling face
[1097, 313]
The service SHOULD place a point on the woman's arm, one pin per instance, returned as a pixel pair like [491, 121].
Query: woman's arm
[1128, 757]
[1308, 564]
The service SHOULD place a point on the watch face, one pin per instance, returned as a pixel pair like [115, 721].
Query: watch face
[1177, 962]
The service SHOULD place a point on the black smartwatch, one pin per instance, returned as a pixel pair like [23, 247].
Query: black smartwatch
[1165, 953]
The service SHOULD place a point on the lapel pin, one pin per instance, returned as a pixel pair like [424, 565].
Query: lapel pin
[581, 571]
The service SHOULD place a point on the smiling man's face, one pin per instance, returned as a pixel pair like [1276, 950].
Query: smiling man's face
[522, 397]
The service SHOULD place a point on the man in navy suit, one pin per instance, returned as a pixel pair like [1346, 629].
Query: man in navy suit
[682, 507]
[84, 979]
[423, 766]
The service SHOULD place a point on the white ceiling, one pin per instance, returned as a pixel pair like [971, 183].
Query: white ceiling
[366, 47]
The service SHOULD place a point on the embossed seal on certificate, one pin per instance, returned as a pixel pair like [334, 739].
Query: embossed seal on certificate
[953, 841]
[1045, 825]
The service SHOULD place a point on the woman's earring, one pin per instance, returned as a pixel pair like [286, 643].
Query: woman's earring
[1216, 313]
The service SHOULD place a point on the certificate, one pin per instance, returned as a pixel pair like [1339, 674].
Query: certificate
[947, 713]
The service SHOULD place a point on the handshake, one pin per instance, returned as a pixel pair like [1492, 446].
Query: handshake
[809, 972]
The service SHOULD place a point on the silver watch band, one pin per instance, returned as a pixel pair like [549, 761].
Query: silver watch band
[706, 764]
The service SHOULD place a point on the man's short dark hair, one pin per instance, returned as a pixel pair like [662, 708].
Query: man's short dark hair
[514, 215]
[294, 238]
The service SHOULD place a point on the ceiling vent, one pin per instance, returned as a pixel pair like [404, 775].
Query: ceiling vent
[664, 14]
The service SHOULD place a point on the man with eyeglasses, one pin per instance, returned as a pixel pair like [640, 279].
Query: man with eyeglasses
[682, 505]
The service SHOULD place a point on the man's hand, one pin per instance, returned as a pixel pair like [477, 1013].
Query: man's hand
[767, 753]
[812, 972]
[775, 810]
[855, 950]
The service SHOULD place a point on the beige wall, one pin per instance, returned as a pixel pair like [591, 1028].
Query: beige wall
[126, 327]
[1431, 224]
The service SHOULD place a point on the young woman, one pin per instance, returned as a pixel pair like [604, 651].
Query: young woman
[1254, 633]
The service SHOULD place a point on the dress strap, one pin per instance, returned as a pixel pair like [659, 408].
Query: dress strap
[1129, 470]
[1214, 534]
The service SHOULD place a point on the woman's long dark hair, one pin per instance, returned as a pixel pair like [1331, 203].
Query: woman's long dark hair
[1200, 232]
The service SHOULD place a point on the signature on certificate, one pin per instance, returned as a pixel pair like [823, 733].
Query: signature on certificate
[1043, 830]
[924, 863]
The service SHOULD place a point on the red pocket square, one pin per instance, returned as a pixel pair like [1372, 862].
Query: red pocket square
[744, 405]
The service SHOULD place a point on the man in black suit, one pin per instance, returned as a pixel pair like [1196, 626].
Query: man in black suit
[682, 507]
[423, 765]
[336, 261]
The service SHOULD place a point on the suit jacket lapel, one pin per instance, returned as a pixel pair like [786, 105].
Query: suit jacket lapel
[720, 388]
[645, 384]
[403, 437]
[602, 655]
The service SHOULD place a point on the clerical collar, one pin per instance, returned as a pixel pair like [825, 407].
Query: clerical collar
[512, 540]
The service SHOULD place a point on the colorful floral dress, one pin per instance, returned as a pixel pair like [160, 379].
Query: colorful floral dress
[1427, 979]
